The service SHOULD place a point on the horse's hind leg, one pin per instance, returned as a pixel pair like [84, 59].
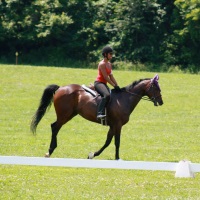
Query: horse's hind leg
[55, 127]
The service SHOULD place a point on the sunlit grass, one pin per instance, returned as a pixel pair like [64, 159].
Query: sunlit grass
[167, 133]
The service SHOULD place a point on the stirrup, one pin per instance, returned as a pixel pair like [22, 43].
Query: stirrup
[100, 116]
[104, 118]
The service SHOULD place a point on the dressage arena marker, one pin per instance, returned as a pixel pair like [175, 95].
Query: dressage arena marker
[183, 169]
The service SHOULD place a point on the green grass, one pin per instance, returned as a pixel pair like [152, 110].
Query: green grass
[167, 133]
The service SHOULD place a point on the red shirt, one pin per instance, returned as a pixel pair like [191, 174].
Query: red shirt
[100, 77]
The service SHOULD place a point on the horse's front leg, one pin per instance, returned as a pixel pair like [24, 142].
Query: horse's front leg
[108, 141]
[117, 145]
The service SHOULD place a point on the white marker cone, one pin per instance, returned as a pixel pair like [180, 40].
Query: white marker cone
[183, 170]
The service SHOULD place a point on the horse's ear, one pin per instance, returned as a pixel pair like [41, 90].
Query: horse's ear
[155, 78]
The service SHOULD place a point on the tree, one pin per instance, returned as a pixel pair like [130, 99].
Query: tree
[189, 31]
[190, 13]
[28, 24]
[135, 29]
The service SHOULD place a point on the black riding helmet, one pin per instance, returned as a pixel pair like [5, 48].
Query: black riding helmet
[107, 50]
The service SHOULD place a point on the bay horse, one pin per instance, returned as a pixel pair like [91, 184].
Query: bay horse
[72, 100]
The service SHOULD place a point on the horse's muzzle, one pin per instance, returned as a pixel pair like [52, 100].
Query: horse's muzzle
[157, 101]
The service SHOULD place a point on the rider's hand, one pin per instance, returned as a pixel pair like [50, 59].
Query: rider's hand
[117, 88]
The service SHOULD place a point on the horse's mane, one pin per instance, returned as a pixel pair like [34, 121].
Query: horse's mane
[132, 85]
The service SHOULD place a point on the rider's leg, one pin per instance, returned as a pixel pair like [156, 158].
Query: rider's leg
[104, 91]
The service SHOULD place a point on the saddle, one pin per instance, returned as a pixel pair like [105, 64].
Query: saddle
[90, 89]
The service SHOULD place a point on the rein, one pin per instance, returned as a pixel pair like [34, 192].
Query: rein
[144, 98]
[139, 96]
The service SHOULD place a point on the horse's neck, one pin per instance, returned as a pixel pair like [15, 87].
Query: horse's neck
[140, 88]
[136, 95]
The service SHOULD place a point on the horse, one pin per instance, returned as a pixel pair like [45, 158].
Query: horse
[73, 99]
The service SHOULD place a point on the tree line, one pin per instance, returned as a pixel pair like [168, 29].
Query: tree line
[153, 32]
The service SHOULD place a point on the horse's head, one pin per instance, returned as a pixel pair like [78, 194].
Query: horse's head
[153, 91]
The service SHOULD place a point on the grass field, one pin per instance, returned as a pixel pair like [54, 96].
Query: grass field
[168, 133]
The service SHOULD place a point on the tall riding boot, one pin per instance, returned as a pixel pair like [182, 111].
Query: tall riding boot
[101, 108]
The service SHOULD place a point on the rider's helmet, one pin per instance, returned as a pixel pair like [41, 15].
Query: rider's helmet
[106, 50]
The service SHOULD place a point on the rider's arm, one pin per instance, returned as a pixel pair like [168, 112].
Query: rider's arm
[112, 78]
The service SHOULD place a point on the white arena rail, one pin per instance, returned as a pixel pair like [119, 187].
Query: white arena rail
[182, 169]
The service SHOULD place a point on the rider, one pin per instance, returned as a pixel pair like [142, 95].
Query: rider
[105, 76]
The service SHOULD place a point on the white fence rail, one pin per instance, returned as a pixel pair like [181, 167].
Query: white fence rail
[183, 167]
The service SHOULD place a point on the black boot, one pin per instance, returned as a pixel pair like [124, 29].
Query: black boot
[101, 108]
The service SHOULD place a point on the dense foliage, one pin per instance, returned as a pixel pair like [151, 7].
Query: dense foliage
[157, 32]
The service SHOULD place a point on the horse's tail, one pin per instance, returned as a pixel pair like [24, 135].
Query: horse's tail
[45, 102]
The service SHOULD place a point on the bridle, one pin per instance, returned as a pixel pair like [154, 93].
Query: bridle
[152, 99]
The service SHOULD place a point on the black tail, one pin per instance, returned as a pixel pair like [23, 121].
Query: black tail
[45, 102]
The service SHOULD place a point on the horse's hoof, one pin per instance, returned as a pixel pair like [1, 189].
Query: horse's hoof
[91, 155]
[47, 155]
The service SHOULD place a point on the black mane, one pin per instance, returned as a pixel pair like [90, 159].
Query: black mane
[132, 85]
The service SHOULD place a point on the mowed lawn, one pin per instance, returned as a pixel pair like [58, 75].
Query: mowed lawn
[169, 133]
